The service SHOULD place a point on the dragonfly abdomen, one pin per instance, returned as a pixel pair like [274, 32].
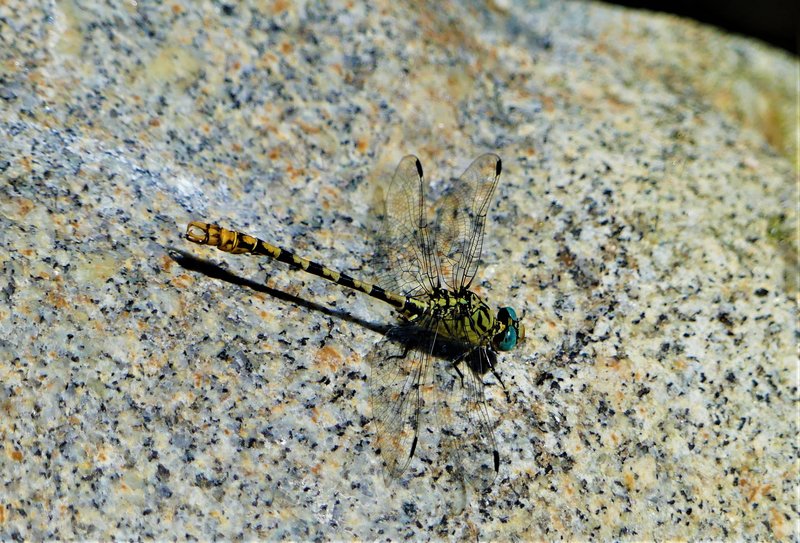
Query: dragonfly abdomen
[234, 242]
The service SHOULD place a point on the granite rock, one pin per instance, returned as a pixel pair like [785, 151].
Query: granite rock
[644, 223]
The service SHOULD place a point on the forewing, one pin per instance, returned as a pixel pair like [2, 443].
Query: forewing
[467, 436]
[398, 376]
[419, 385]
[461, 219]
[404, 257]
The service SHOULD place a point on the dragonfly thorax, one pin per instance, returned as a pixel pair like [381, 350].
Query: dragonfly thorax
[466, 317]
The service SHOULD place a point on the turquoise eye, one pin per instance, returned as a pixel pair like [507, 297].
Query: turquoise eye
[507, 315]
[509, 339]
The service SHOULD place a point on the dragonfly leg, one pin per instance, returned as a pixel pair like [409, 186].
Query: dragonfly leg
[458, 371]
[502, 384]
[406, 349]
[496, 374]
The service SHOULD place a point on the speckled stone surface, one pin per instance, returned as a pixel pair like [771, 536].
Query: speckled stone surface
[644, 223]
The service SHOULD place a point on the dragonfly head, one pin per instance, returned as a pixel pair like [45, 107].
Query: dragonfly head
[508, 329]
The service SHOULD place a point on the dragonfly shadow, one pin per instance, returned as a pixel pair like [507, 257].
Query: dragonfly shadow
[191, 262]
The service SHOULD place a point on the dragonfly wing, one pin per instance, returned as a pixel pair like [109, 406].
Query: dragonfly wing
[465, 425]
[419, 382]
[461, 219]
[398, 375]
[405, 256]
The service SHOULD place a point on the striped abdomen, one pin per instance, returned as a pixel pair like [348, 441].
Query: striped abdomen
[230, 241]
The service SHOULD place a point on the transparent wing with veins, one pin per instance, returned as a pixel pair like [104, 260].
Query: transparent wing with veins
[399, 377]
[464, 424]
[461, 221]
[405, 257]
[418, 381]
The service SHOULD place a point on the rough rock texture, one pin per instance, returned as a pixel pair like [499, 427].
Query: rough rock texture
[644, 224]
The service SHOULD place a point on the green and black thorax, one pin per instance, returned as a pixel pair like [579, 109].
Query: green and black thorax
[465, 317]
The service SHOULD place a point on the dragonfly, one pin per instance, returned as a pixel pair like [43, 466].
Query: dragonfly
[427, 373]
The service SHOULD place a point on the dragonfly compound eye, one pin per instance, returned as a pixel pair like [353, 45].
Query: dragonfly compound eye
[508, 339]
